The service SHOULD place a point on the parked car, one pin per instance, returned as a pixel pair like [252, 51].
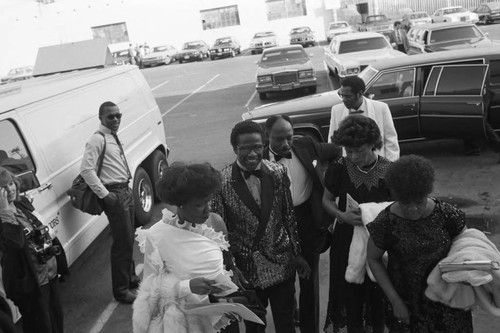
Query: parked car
[431, 96]
[121, 57]
[410, 20]
[285, 68]
[163, 54]
[303, 36]
[446, 36]
[454, 14]
[193, 51]
[377, 23]
[337, 28]
[262, 41]
[488, 12]
[18, 74]
[225, 47]
[349, 54]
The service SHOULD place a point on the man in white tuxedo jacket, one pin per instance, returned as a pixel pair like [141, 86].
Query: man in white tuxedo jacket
[351, 91]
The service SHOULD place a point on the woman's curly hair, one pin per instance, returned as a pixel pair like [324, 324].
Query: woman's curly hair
[410, 178]
[183, 182]
[357, 130]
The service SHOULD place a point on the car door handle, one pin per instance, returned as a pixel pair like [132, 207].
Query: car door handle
[410, 104]
[473, 103]
[44, 187]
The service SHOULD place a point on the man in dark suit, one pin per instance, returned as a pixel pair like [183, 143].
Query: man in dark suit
[303, 159]
[256, 205]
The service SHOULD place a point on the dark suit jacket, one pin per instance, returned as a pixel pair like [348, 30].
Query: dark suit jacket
[242, 215]
[307, 150]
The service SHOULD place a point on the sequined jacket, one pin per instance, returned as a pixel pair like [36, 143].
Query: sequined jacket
[271, 261]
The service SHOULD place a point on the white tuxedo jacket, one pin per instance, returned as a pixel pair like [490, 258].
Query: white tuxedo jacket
[378, 111]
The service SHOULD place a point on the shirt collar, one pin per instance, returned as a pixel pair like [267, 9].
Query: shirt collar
[104, 129]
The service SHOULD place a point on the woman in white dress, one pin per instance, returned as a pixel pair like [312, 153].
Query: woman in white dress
[183, 255]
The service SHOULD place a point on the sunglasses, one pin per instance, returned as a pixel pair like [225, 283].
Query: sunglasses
[113, 116]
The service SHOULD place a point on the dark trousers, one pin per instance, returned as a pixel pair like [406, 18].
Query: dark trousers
[368, 293]
[281, 297]
[309, 288]
[401, 48]
[121, 223]
[42, 312]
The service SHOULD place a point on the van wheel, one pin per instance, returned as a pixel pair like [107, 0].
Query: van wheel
[143, 197]
[156, 167]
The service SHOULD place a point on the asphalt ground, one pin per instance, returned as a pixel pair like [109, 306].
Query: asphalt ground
[201, 102]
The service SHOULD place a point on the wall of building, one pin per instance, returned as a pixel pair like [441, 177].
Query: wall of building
[28, 24]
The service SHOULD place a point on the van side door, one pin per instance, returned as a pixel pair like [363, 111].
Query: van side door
[453, 102]
[397, 89]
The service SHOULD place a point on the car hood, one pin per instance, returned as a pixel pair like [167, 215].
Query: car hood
[157, 54]
[290, 65]
[313, 104]
[369, 56]
[190, 50]
[461, 44]
[339, 31]
[459, 15]
[307, 34]
[421, 21]
[263, 39]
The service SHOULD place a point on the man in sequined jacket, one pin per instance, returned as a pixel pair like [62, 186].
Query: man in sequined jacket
[256, 205]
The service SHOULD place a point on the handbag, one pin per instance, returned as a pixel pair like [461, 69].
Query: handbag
[248, 298]
[81, 195]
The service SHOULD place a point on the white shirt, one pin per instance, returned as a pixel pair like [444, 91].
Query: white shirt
[253, 183]
[301, 182]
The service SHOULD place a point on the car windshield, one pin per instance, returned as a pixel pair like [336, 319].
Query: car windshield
[337, 26]
[300, 31]
[192, 45]
[160, 48]
[457, 33]
[454, 10]
[358, 45]
[281, 57]
[263, 34]
[418, 15]
[223, 41]
[376, 18]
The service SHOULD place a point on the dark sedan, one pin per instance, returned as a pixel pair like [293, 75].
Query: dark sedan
[303, 36]
[438, 95]
[225, 47]
[193, 51]
[488, 12]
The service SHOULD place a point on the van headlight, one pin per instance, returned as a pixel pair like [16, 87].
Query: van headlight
[352, 71]
[265, 79]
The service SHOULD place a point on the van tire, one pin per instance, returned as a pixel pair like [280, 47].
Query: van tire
[157, 163]
[143, 194]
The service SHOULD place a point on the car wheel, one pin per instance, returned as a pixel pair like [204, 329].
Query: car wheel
[253, 51]
[157, 164]
[212, 58]
[143, 197]
[233, 54]
[262, 95]
[180, 61]
[168, 60]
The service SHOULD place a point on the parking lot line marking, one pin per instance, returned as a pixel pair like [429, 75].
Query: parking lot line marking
[104, 317]
[250, 100]
[160, 85]
[191, 94]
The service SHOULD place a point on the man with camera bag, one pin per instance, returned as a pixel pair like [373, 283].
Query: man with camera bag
[112, 186]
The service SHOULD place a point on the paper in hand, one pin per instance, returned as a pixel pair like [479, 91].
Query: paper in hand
[225, 284]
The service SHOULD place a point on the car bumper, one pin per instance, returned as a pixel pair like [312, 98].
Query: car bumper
[303, 42]
[263, 88]
[188, 58]
[146, 62]
[223, 54]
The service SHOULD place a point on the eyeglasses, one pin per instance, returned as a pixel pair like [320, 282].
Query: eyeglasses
[249, 148]
[114, 115]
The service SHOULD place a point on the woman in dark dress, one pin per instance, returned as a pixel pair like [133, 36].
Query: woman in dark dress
[417, 232]
[360, 174]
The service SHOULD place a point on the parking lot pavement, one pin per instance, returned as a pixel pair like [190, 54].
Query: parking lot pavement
[198, 130]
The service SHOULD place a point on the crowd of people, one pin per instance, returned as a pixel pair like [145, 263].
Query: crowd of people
[258, 223]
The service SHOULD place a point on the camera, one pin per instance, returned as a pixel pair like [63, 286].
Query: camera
[40, 242]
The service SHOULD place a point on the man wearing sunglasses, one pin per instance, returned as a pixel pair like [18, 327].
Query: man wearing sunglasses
[256, 205]
[112, 186]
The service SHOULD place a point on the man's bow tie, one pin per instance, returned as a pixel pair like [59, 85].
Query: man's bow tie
[277, 158]
[352, 111]
[248, 173]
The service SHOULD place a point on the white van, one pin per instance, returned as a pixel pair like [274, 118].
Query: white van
[44, 125]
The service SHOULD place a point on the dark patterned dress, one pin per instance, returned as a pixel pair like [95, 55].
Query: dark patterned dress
[414, 249]
[343, 177]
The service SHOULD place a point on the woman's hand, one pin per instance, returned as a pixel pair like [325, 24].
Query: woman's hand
[203, 286]
[302, 267]
[4, 203]
[239, 279]
[353, 217]
[400, 311]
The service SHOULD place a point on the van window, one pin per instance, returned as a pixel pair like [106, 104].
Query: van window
[461, 80]
[14, 155]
